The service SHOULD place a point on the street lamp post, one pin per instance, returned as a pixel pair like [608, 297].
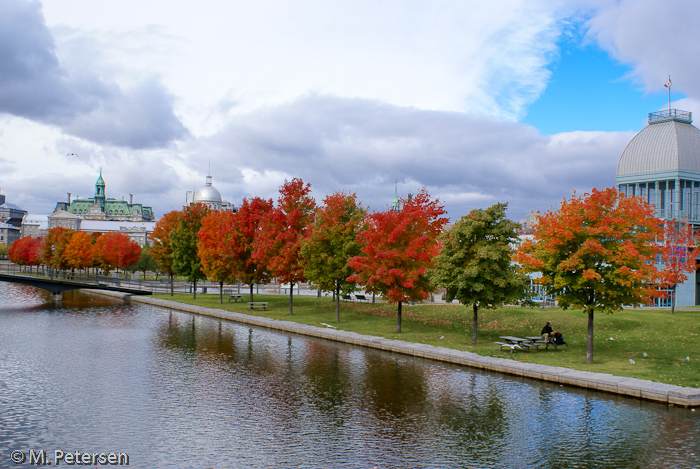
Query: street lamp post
[53, 248]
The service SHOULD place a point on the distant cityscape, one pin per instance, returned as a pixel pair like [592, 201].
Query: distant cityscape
[660, 164]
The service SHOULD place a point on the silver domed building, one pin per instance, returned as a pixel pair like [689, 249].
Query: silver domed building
[209, 196]
[662, 165]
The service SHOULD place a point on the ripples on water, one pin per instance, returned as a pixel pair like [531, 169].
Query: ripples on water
[175, 390]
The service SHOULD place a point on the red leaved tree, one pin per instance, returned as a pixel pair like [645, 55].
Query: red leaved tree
[123, 251]
[596, 252]
[398, 248]
[214, 247]
[246, 228]
[26, 251]
[676, 255]
[115, 249]
[282, 230]
[162, 250]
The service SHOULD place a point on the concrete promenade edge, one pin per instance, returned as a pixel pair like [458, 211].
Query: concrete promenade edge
[632, 387]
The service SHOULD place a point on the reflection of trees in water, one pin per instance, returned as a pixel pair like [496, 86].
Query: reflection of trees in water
[326, 374]
[393, 386]
[605, 433]
[247, 358]
[472, 421]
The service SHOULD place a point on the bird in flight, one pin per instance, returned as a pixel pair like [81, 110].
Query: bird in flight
[73, 154]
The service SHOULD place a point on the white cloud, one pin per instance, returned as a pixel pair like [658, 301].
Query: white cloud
[655, 38]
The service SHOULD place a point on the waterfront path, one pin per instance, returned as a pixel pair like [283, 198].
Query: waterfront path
[632, 387]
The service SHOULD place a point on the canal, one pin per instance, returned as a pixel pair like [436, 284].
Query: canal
[172, 389]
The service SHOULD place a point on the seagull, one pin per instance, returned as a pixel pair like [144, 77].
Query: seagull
[328, 325]
[442, 336]
[631, 361]
[611, 338]
[73, 154]
[687, 359]
[644, 354]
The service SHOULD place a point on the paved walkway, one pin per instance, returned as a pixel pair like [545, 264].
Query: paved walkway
[633, 387]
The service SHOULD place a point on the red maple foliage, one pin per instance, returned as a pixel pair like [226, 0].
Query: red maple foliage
[115, 249]
[676, 255]
[398, 247]
[26, 251]
[244, 231]
[279, 241]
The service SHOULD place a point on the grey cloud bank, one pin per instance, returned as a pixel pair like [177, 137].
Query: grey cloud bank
[35, 85]
[134, 129]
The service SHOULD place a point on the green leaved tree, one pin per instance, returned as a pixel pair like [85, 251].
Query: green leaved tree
[331, 243]
[184, 244]
[474, 263]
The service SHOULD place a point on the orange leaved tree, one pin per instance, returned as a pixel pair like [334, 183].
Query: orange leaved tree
[398, 248]
[596, 252]
[54, 246]
[79, 251]
[214, 248]
[676, 255]
[162, 250]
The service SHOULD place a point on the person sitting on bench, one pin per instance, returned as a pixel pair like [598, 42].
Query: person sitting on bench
[547, 332]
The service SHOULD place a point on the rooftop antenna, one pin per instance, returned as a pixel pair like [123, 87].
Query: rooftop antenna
[668, 85]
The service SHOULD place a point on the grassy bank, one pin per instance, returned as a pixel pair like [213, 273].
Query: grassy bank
[667, 339]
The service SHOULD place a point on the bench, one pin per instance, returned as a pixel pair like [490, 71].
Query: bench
[361, 298]
[235, 298]
[257, 304]
[347, 298]
[507, 345]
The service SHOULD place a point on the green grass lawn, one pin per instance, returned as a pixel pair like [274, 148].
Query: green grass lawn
[667, 339]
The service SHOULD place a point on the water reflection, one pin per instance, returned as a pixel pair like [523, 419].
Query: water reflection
[177, 390]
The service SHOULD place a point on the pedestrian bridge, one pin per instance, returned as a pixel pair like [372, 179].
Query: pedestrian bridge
[59, 281]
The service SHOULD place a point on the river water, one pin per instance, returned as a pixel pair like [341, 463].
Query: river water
[172, 389]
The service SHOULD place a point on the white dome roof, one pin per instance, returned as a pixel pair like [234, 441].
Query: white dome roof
[208, 193]
[662, 146]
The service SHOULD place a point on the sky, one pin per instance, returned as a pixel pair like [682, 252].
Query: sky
[517, 101]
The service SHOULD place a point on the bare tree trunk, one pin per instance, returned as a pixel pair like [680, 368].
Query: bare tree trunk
[221, 292]
[291, 296]
[251, 292]
[336, 294]
[673, 300]
[194, 290]
[475, 322]
[398, 319]
[589, 341]
[172, 285]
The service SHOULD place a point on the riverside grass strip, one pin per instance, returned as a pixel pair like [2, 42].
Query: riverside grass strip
[666, 339]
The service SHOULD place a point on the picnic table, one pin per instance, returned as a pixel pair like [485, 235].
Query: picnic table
[235, 298]
[519, 343]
